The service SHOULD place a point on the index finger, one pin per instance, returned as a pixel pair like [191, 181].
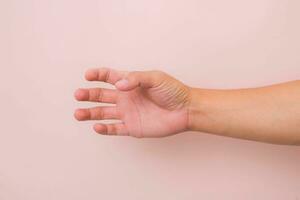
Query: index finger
[104, 74]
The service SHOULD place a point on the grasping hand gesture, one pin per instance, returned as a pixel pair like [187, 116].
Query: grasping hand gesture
[148, 103]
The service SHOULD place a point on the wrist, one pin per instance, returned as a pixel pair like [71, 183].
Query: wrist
[205, 110]
[194, 108]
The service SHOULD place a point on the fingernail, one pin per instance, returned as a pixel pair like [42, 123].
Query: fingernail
[122, 83]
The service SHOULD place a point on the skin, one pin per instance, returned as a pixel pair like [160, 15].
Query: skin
[154, 104]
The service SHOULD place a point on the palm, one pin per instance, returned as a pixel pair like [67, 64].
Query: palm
[144, 117]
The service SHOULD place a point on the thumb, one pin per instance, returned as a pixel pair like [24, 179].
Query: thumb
[146, 79]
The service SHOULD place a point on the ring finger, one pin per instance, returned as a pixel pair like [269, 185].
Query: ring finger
[97, 113]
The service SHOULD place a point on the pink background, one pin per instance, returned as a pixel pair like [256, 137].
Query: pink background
[47, 45]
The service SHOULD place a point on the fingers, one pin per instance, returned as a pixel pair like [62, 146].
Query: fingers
[111, 129]
[147, 79]
[97, 113]
[104, 74]
[124, 80]
[96, 95]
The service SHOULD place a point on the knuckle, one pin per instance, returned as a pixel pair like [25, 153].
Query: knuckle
[101, 113]
[133, 74]
[100, 95]
[158, 72]
[107, 76]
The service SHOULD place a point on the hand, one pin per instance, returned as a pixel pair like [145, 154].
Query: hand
[148, 104]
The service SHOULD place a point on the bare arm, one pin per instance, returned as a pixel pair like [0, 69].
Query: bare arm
[154, 104]
[267, 114]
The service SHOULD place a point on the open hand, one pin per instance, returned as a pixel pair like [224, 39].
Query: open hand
[147, 103]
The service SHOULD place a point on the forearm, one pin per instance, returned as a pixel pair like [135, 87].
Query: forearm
[267, 114]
